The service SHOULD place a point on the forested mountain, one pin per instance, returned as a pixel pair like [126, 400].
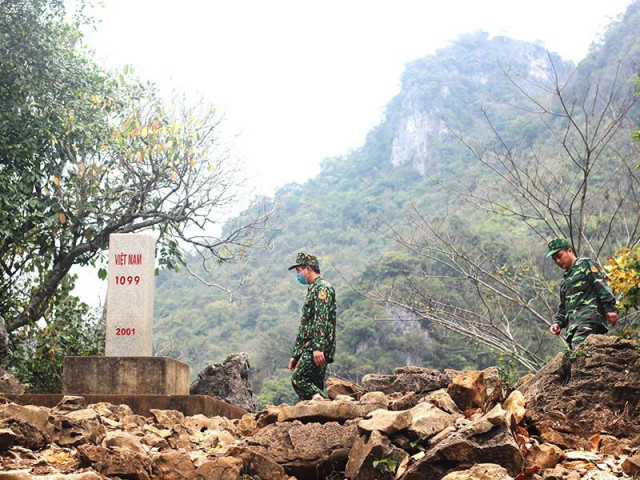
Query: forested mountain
[434, 231]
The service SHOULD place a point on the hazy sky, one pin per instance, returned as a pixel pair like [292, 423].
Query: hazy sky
[300, 81]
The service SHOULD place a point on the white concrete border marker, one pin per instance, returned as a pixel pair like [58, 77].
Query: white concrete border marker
[130, 294]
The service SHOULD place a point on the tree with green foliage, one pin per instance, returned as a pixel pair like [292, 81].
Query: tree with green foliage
[39, 349]
[87, 153]
[84, 153]
[276, 390]
[623, 272]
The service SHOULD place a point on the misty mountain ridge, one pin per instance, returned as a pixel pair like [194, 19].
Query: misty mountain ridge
[341, 215]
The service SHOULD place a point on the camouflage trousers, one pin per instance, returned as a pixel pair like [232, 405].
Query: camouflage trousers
[581, 331]
[308, 378]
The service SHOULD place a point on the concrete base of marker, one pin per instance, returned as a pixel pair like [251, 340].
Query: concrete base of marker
[124, 376]
[189, 405]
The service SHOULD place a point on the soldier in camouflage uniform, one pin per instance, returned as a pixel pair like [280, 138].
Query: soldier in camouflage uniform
[586, 301]
[316, 340]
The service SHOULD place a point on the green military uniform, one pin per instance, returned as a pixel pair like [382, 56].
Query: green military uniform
[317, 332]
[585, 299]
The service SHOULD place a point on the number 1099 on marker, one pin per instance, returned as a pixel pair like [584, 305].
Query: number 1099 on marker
[128, 280]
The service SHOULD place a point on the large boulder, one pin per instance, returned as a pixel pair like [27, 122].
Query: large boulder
[366, 451]
[408, 379]
[309, 450]
[468, 390]
[116, 462]
[174, 466]
[79, 427]
[118, 439]
[24, 425]
[220, 468]
[257, 464]
[385, 421]
[543, 456]
[338, 386]
[323, 411]
[228, 381]
[487, 440]
[10, 384]
[428, 420]
[593, 390]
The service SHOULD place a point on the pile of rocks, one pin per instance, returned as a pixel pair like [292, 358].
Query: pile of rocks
[415, 424]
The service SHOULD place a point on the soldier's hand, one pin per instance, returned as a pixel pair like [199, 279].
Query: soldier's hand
[292, 363]
[318, 358]
[612, 317]
[555, 329]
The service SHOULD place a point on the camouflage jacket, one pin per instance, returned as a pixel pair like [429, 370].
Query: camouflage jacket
[585, 296]
[317, 329]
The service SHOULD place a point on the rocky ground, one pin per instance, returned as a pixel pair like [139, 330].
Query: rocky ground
[578, 418]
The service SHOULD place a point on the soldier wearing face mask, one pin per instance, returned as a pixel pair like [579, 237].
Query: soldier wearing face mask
[316, 340]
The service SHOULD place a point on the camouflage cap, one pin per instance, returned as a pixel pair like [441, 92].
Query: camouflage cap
[556, 245]
[305, 260]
